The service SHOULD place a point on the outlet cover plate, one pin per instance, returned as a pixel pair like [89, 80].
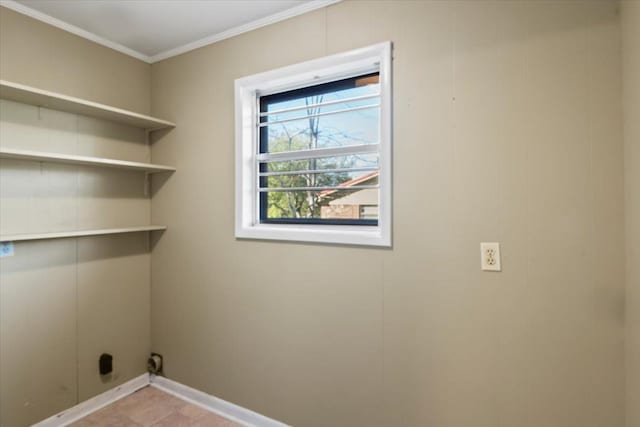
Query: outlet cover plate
[490, 256]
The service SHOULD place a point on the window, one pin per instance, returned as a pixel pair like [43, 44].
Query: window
[313, 150]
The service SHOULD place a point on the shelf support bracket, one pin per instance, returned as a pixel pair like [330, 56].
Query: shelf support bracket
[147, 184]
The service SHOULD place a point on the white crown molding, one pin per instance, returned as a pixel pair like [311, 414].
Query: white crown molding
[254, 25]
[268, 20]
[32, 13]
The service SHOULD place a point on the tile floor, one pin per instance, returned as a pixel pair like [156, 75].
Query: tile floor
[150, 407]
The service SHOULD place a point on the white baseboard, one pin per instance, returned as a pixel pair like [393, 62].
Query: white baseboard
[226, 409]
[85, 408]
[233, 412]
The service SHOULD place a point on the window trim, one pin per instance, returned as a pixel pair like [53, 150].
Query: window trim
[375, 58]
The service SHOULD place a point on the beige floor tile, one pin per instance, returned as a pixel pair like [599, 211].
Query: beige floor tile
[151, 407]
[193, 411]
[213, 420]
[105, 419]
[149, 411]
[175, 419]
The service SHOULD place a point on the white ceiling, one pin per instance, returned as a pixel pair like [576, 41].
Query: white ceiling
[152, 30]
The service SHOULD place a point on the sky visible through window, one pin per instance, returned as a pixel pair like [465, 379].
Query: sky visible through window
[355, 127]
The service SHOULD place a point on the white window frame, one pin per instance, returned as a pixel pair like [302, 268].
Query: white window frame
[375, 58]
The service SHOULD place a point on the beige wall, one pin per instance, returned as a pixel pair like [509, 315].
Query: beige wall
[43, 56]
[631, 90]
[507, 127]
[64, 302]
[523, 94]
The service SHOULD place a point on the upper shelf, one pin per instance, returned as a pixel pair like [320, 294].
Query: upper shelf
[6, 153]
[55, 101]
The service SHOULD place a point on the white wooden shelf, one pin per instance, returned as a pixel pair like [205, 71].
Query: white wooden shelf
[6, 153]
[83, 233]
[55, 101]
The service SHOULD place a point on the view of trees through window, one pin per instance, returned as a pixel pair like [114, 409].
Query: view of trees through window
[332, 132]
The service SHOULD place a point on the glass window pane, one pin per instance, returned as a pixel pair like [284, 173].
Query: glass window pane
[311, 110]
[336, 130]
[347, 204]
[307, 129]
[346, 179]
[336, 162]
[348, 88]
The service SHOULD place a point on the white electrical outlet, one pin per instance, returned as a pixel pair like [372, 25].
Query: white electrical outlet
[490, 256]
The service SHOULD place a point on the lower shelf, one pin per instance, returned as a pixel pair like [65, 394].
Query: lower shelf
[82, 233]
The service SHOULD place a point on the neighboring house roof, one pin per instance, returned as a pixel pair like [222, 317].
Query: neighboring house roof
[366, 197]
[355, 181]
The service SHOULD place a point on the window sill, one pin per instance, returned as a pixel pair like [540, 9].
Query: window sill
[345, 235]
